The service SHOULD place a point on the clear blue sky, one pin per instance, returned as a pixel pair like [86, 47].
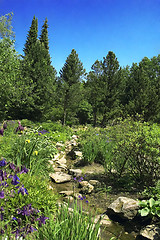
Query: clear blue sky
[129, 28]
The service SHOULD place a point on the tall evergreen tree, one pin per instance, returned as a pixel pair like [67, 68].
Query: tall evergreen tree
[32, 36]
[44, 35]
[70, 77]
[110, 85]
[38, 72]
[93, 88]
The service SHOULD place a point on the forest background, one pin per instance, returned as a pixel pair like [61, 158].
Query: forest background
[31, 88]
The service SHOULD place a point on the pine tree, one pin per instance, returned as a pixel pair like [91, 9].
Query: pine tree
[32, 36]
[110, 87]
[38, 72]
[70, 77]
[93, 88]
[44, 35]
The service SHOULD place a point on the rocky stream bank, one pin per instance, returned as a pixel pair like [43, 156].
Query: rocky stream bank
[118, 212]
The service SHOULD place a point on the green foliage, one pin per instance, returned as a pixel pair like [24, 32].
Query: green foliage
[57, 132]
[18, 215]
[7, 141]
[152, 191]
[10, 72]
[6, 26]
[137, 150]
[69, 225]
[149, 208]
[39, 194]
[33, 149]
[96, 146]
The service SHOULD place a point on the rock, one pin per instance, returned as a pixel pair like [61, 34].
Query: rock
[75, 172]
[60, 177]
[78, 154]
[61, 160]
[58, 144]
[94, 182]
[69, 198]
[89, 173]
[66, 193]
[56, 157]
[73, 143]
[72, 154]
[124, 208]
[58, 169]
[86, 187]
[77, 196]
[104, 220]
[150, 232]
[75, 137]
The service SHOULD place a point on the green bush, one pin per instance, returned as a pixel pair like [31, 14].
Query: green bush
[39, 194]
[137, 151]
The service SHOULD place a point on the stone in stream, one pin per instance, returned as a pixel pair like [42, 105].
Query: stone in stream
[60, 177]
[104, 220]
[66, 193]
[75, 172]
[124, 208]
[150, 232]
[78, 154]
[95, 182]
[86, 187]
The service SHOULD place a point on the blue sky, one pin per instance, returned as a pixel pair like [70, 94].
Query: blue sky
[129, 28]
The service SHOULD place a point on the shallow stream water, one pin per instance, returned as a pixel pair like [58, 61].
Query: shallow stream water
[97, 205]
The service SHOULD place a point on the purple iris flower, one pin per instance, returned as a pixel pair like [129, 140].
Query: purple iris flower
[23, 170]
[41, 220]
[42, 132]
[15, 180]
[23, 190]
[1, 175]
[2, 194]
[1, 216]
[12, 166]
[3, 163]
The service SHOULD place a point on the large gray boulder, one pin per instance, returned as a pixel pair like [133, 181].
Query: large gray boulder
[124, 208]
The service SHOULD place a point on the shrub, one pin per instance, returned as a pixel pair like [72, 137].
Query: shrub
[137, 151]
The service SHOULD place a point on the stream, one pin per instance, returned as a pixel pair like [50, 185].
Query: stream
[97, 204]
